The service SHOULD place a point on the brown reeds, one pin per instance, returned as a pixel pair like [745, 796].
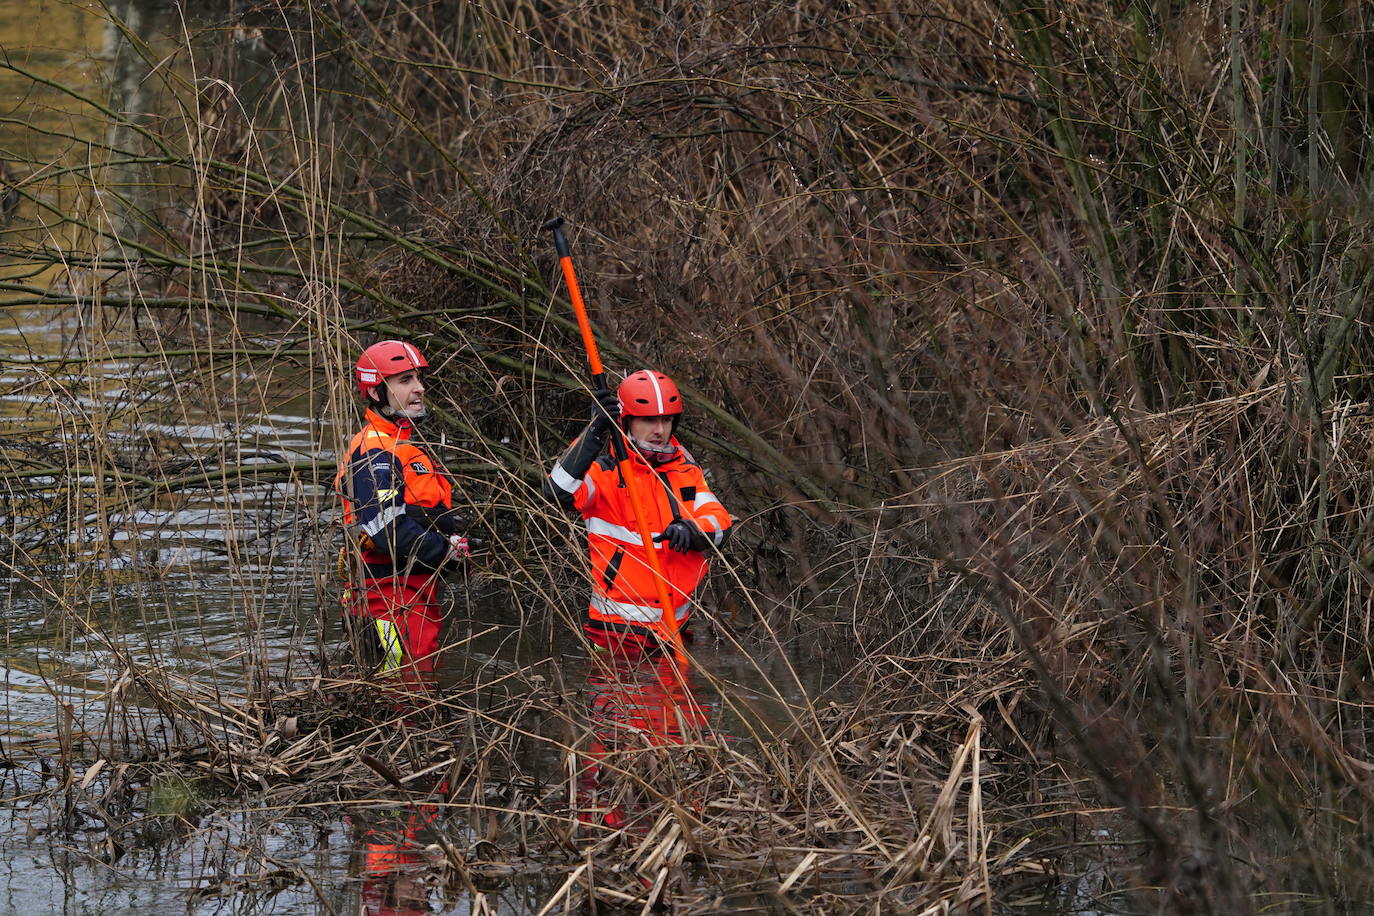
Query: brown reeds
[1028, 344]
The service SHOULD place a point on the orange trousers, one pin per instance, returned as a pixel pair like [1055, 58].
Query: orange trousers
[404, 619]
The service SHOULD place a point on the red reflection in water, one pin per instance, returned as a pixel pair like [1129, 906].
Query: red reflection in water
[638, 706]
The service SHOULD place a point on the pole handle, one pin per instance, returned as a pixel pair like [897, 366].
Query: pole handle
[584, 323]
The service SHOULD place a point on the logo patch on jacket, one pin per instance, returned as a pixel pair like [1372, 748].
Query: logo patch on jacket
[419, 467]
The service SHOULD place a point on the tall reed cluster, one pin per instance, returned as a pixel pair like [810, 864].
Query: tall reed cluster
[1029, 344]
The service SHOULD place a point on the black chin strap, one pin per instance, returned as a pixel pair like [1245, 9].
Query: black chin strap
[383, 406]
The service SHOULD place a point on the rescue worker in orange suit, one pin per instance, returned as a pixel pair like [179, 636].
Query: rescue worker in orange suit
[398, 507]
[685, 519]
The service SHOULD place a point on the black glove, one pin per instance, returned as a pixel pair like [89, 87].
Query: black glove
[585, 448]
[606, 411]
[682, 536]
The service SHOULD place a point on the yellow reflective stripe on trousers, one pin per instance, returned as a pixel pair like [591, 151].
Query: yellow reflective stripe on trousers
[392, 653]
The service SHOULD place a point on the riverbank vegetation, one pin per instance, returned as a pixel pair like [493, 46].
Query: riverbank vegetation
[1029, 346]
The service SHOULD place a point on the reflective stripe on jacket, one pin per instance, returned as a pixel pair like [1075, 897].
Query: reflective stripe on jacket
[622, 579]
[397, 500]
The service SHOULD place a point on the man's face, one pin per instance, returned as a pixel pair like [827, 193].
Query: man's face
[653, 430]
[405, 393]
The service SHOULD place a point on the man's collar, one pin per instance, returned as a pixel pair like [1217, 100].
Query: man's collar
[398, 429]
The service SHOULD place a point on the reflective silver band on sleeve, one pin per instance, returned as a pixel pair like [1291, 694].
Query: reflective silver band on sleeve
[716, 531]
[565, 481]
[704, 497]
[384, 518]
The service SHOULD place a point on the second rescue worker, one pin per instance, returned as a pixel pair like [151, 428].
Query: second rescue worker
[398, 504]
[684, 515]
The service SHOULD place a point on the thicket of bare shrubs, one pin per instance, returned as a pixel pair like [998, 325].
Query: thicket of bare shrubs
[1028, 345]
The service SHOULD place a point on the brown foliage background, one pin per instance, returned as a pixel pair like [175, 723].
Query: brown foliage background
[1028, 344]
[1008, 330]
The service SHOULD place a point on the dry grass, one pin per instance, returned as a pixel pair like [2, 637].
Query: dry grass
[1028, 345]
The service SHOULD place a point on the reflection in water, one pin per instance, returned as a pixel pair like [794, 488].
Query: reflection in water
[65, 65]
[129, 513]
[637, 707]
[399, 868]
[100, 574]
[393, 859]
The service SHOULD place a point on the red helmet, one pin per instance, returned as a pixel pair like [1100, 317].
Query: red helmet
[647, 393]
[385, 359]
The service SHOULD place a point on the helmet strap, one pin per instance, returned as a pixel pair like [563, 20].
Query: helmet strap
[380, 401]
[657, 454]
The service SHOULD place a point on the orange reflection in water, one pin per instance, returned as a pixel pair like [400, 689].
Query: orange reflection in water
[638, 708]
[393, 864]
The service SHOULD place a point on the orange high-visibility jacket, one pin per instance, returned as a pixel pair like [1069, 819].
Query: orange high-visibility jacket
[397, 498]
[623, 581]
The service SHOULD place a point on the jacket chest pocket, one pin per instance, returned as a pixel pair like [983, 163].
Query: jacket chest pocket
[613, 569]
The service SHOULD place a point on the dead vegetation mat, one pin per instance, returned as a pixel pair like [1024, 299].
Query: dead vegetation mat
[890, 800]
